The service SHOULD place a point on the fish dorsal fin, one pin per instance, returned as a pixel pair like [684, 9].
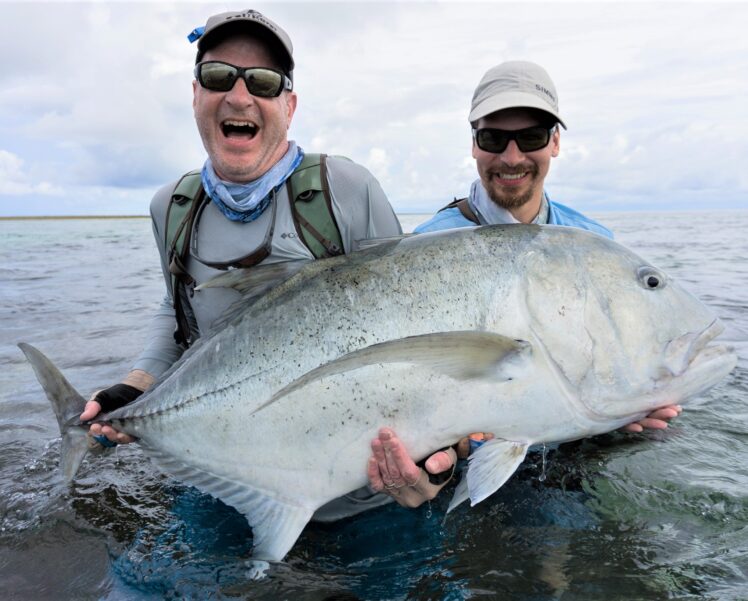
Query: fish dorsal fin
[490, 466]
[276, 524]
[365, 243]
[256, 281]
[463, 355]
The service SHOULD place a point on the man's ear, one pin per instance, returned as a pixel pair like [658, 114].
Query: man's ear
[291, 100]
[555, 142]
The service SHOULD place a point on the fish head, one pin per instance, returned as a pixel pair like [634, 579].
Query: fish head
[623, 336]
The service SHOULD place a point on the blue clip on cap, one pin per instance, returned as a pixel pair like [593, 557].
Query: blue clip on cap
[195, 34]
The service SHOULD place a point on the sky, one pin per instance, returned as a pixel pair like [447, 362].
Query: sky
[96, 113]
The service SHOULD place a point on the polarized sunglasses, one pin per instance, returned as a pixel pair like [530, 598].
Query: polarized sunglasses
[529, 139]
[261, 81]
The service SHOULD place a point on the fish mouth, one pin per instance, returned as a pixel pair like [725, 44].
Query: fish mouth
[690, 366]
[692, 349]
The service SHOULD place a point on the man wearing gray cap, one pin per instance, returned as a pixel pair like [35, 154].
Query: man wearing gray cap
[257, 199]
[515, 125]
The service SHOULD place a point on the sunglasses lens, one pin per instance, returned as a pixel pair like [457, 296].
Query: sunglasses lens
[219, 77]
[532, 138]
[491, 140]
[528, 139]
[264, 82]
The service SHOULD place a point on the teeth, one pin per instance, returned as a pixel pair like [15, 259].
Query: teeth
[240, 123]
[512, 175]
[239, 127]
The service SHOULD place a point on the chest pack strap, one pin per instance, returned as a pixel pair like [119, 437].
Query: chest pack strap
[309, 192]
[185, 200]
[311, 207]
[465, 209]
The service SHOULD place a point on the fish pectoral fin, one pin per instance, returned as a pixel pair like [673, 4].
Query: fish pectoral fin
[461, 494]
[463, 355]
[275, 525]
[489, 467]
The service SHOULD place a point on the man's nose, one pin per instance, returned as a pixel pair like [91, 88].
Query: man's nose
[239, 94]
[512, 155]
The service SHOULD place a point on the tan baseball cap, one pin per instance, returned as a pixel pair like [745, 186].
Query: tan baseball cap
[217, 24]
[515, 84]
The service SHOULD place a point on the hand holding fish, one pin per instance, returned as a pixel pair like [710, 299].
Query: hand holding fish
[391, 470]
[657, 420]
[136, 382]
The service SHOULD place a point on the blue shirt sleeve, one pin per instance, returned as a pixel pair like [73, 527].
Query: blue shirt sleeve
[444, 220]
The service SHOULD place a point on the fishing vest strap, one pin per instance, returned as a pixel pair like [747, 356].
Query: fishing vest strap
[465, 209]
[311, 207]
[309, 193]
[179, 217]
[188, 195]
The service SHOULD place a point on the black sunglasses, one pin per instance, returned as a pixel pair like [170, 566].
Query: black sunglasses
[261, 81]
[528, 139]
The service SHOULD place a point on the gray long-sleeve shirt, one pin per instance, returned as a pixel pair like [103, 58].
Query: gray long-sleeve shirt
[361, 211]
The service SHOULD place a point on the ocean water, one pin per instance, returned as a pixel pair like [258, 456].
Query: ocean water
[661, 515]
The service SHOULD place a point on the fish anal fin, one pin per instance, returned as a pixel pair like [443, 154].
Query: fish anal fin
[276, 525]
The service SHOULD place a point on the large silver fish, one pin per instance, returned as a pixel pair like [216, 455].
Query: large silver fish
[535, 333]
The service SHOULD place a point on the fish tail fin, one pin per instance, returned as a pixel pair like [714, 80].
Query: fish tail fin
[67, 405]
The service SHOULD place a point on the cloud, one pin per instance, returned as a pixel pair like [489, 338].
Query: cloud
[14, 180]
[96, 100]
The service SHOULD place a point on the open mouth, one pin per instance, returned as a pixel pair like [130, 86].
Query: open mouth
[232, 128]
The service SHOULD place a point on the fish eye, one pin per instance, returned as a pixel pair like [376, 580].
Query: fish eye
[651, 278]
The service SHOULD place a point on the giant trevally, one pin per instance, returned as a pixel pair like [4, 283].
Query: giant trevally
[535, 333]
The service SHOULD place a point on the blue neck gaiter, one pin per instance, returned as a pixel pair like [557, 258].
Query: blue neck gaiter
[246, 202]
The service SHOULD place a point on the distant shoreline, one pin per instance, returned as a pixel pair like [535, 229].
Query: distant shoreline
[55, 217]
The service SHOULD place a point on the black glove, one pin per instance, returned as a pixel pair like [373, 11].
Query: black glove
[117, 396]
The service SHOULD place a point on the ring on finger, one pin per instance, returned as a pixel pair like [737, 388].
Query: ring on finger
[420, 474]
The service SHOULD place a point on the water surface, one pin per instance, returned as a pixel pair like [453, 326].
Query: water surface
[661, 515]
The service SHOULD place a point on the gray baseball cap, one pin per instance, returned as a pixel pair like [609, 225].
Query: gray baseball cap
[515, 84]
[219, 25]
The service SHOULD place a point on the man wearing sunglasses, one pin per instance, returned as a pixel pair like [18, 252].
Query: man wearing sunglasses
[243, 105]
[515, 123]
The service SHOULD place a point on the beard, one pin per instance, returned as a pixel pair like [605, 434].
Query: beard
[510, 201]
[507, 198]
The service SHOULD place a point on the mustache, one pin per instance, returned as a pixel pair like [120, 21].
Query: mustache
[513, 169]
